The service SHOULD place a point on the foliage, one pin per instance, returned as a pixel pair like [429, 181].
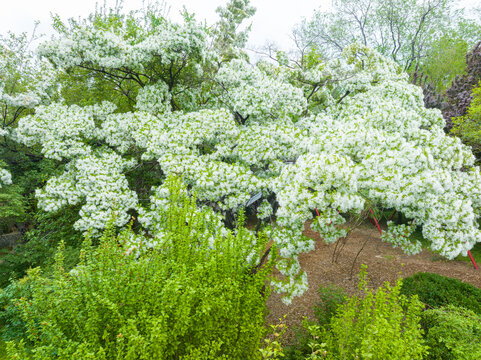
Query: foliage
[445, 60]
[376, 324]
[202, 291]
[38, 247]
[436, 290]
[459, 94]
[382, 324]
[468, 127]
[273, 342]
[29, 170]
[307, 337]
[12, 207]
[12, 326]
[452, 333]
[331, 297]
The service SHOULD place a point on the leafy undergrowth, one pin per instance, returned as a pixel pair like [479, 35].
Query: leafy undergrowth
[3, 353]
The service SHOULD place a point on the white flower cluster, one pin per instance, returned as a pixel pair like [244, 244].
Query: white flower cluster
[398, 235]
[251, 92]
[154, 99]
[265, 210]
[97, 182]
[5, 177]
[62, 132]
[166, 43]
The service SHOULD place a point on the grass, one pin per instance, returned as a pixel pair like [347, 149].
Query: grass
[476, 252]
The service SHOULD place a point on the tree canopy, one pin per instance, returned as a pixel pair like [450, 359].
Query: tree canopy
[427, 36]
[334, 136]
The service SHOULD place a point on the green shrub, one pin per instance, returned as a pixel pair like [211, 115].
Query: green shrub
[452, 333]
[382, 324]
[299, 349]
[12, 326]
[435, 291]
[195, 296]
[331, 297]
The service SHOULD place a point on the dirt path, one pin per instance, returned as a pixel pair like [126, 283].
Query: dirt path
[384, 264]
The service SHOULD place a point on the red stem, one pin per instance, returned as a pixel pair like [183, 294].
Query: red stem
[394, 213]
[472, 260]
[375, 221]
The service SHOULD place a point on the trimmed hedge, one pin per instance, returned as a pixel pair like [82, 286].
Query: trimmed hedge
[452, 333]
[436, 290]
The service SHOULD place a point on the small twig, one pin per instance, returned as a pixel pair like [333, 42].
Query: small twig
[359, 252]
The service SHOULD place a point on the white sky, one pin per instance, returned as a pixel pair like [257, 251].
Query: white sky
[273, 20]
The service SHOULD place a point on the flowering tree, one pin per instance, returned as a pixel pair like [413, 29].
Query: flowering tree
[236, 133]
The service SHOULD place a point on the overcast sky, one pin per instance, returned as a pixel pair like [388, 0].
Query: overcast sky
[273, 20]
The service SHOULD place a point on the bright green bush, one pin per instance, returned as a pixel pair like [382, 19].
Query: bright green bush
[193, 297]
[436, 290]
[452, 333]
[381, 324]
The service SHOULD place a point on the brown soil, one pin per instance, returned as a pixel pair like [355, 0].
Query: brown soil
[384, 264]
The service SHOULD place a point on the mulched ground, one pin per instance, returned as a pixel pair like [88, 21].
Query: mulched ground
[384, 264]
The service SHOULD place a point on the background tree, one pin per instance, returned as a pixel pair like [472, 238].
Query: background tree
[228, 38]
[426, 35]
[468, 126]
[446, 56]
[459, 94]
